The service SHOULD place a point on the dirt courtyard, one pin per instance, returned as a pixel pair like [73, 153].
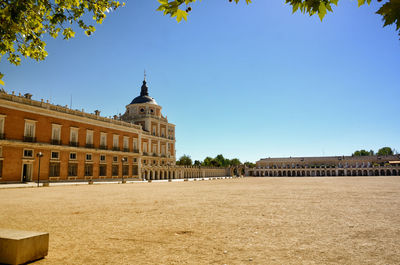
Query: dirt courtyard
[351, 220]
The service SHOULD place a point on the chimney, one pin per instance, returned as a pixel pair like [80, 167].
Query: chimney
[28, 96]
[97, 112]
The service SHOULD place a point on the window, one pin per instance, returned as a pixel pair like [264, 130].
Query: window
[54, 170]
[72, 169]
[1, 151]
[73, 138]
[28, 153]
[56, 133]
[135, 170]
[163, 132]
[145, 147]
[88, 170]
[115, 141]
[134, 160]
[154, 148]
[89, 138]
[126, 143]
[103, 170]
[29, 131]
[72, 156]
[115, 169]
[103, 140]
[55, 155]
[125, 170]
[163, 150]
[1, 169]
[142, 110]
[102, 158]
[2, 117]
[88, 157]
[154, 130]
[115, 158]
[135, 144]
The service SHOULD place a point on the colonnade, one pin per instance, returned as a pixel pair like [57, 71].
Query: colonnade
[322, 172]
[181, 172]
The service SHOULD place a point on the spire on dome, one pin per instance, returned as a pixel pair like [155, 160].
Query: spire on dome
[145, 90]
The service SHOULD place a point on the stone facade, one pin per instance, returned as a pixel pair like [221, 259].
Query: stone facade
[74, 145]
[327, 166]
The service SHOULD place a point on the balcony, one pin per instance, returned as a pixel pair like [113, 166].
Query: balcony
[103, 147]
[145, 153]
[71, 143]
[115, 148]
[29, 139]
[2, 136]
[155, 154]
[89, 146]
[56, 141]
[126, 149]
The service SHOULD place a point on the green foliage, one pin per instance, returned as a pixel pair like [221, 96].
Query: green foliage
[390, 11]
[24, 23]
[220, 161]
[385, 151]
[249, 164]
[184, 160]
[363, 153]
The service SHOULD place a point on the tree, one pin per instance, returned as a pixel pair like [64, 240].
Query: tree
[363, 153]
[235, 162]
[207, 161]
[390, 10]
[385, 151]
[23, 24]
[184, 160]
[197, 163]
[249, 164]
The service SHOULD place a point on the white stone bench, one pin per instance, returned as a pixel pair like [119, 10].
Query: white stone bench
[18, 247]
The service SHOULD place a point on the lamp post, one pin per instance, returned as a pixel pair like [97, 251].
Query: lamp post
[40, 154]
[123, 160]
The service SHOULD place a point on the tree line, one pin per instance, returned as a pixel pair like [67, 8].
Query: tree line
[218, 161]
[384, 151]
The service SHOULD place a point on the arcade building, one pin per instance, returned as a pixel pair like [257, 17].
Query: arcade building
[56, 143]
[328, 166]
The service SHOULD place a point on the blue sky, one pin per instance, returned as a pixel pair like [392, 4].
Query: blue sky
[247, 81]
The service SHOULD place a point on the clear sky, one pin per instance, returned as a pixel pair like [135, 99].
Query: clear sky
[247, 81]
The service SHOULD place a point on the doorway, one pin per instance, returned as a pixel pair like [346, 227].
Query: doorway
[27, 172]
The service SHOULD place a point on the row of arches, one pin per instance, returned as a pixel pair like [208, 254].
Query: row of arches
[161, 174]
[324, 173]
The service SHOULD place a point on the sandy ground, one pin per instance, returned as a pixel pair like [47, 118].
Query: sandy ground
[233, 221]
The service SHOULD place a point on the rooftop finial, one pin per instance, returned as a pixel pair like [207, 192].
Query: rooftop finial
[144, 75]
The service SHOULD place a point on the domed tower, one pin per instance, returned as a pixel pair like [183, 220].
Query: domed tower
[159, 137]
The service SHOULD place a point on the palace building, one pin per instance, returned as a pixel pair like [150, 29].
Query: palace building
[327, 166]
[56, 143]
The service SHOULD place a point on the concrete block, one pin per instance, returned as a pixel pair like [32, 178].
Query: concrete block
[18, 247]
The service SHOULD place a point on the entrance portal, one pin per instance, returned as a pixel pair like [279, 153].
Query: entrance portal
[26, 172]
